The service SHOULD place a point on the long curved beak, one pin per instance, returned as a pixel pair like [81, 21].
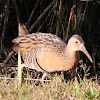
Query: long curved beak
[83, 49]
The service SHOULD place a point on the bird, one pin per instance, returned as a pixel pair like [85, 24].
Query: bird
[47, 53]
[22, 29]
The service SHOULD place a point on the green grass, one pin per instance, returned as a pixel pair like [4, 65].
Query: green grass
[53, 90]
[19, 69]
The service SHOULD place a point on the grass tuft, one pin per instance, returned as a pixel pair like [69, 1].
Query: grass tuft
[56, 89]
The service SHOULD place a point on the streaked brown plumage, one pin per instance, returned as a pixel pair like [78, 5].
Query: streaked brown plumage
[47, 53]
[22, 29]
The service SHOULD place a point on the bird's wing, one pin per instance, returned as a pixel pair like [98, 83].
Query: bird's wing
[37, 41]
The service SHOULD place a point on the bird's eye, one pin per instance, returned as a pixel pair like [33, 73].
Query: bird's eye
[76, 42]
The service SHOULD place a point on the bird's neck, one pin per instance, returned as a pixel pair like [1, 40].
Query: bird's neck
[72, 57]
[70, 52]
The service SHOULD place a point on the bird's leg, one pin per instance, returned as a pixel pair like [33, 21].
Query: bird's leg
[43, 77]
[23, 65]
[75, 73]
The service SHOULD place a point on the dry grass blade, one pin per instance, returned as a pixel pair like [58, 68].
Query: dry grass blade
[41, 16]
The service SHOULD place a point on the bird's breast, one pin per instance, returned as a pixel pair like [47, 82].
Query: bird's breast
[53, 61]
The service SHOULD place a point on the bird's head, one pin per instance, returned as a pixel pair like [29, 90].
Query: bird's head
[76, 43]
